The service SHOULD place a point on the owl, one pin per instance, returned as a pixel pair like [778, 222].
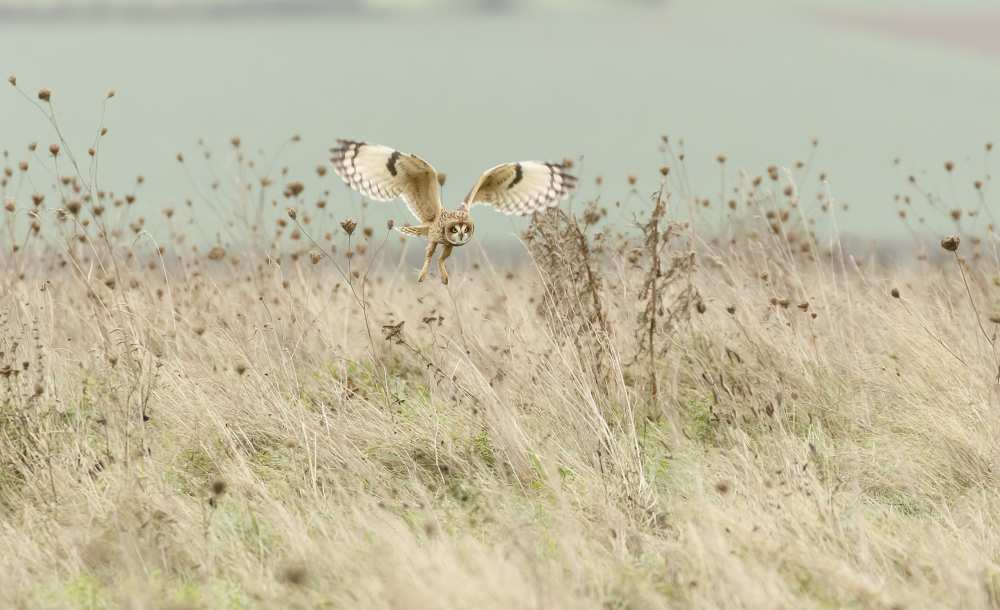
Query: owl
[383, 173]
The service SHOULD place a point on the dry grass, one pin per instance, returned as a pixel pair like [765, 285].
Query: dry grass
[758, 422]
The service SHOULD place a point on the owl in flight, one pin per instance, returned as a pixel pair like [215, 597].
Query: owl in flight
[383, 173]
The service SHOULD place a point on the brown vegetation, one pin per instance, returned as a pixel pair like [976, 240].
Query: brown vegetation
[637, 418]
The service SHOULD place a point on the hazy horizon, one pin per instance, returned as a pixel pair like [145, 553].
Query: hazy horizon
[755, 81]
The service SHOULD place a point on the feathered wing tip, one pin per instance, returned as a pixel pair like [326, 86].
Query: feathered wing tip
[563, 183]
[522, 188]
[365, 168]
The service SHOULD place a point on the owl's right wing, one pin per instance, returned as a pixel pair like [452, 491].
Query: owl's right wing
[383, 173]
[522, 188]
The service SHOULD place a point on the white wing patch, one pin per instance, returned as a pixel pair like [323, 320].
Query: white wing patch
[384, 173]
[522, 188]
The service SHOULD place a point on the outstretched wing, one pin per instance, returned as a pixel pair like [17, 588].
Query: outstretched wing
[383, 173]
[522, 188]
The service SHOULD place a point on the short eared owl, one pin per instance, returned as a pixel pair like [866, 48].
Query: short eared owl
[382, 173]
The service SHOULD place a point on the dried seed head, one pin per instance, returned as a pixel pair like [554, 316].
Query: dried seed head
[665, 170]
[389, 224]
[441, 179]
[218, 487]
[995, 317]
[723, 487]
[632, 179]
[951, 243]
[294, 189]
[895, 293]
[54, 150]
[111, 93]
[348, 226]
[721, 158]
[217, 253]
[45, 95]
[949, 166]
[292, 213]
[294, 574]
[12, 80]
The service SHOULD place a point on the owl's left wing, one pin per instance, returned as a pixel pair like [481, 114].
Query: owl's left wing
[383, 173]
[522, 188]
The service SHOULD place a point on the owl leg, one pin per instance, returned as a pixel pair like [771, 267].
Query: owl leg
[445, 253]
[428, 255]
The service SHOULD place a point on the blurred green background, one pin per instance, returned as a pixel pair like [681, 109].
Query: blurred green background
[469, 85]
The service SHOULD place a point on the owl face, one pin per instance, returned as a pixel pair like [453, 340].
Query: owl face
[459, 233]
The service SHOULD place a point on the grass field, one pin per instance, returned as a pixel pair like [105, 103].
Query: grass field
[632, 417]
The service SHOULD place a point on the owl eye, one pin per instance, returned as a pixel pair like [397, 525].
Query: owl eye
[454, 229]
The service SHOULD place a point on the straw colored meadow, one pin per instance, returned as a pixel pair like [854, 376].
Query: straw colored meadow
[670, 400]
